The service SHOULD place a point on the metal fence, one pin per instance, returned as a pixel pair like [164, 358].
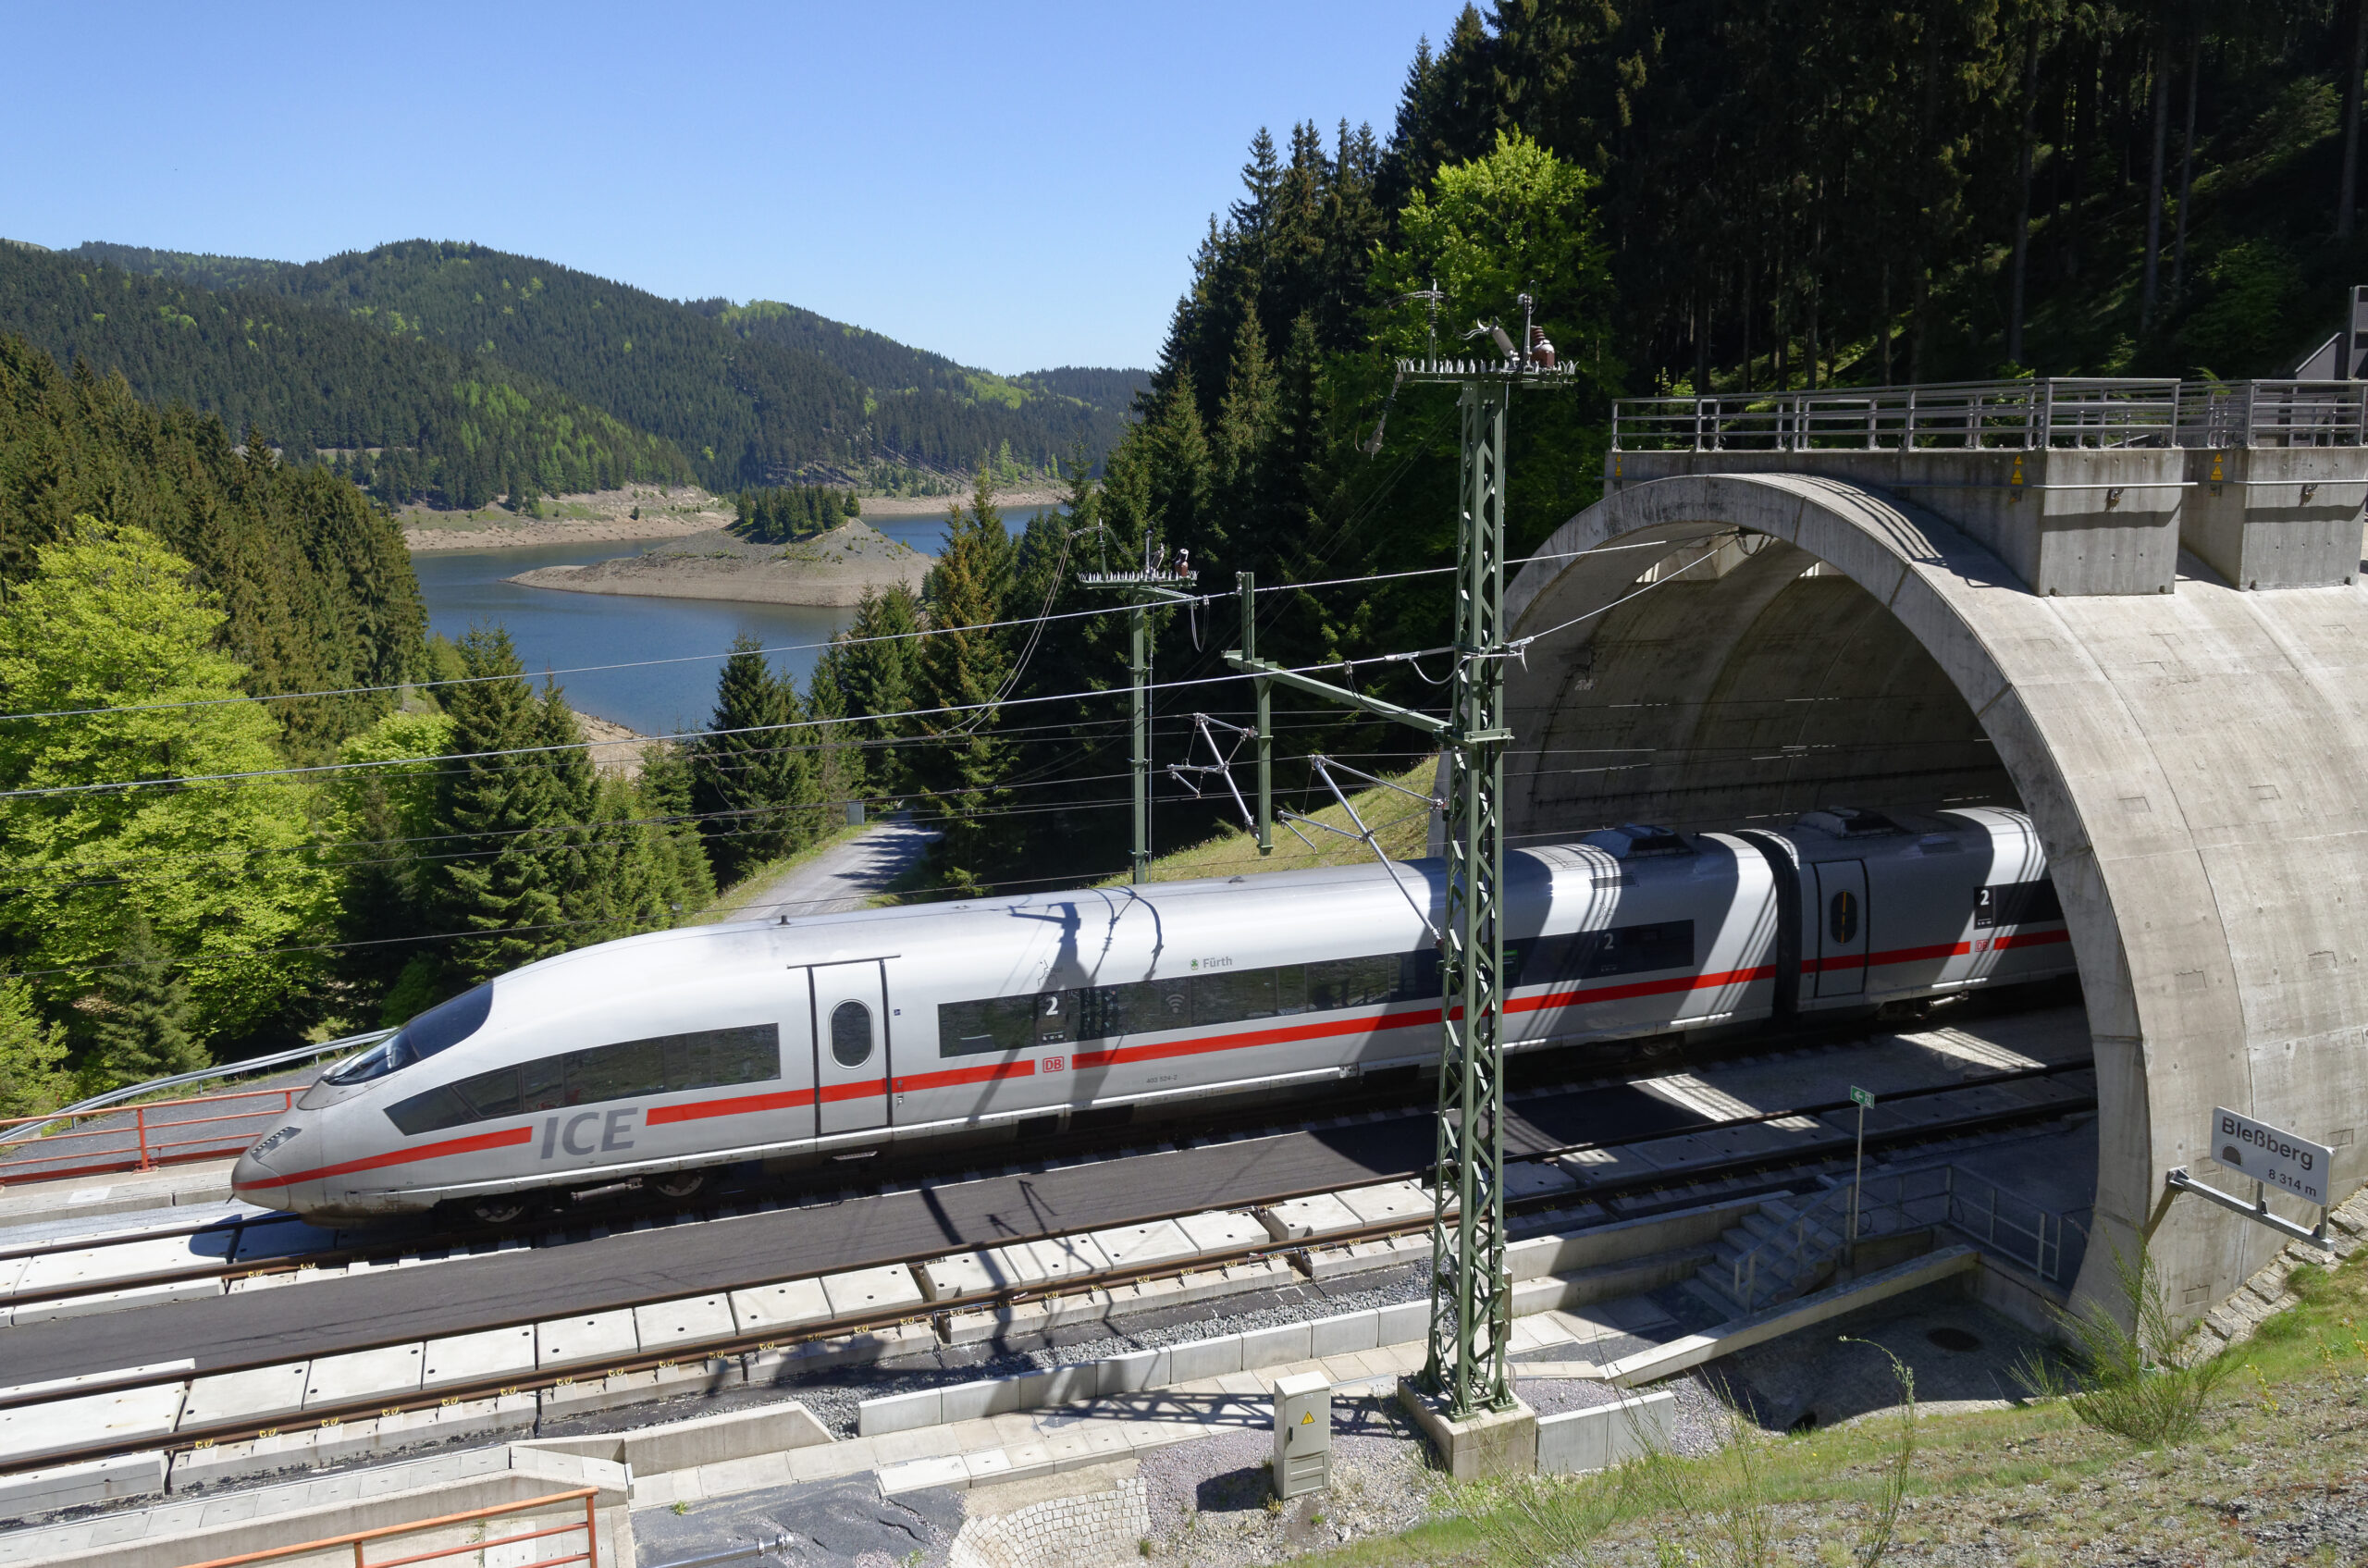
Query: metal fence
[1893, 1203]
[1962, 416]
[526, 1547]
[2273, 413]
[157, 1132]
[2002, 416]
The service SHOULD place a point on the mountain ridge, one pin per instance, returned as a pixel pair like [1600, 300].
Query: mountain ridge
[756, 393]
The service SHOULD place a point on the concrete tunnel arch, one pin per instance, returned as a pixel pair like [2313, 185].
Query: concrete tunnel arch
[2193, 760]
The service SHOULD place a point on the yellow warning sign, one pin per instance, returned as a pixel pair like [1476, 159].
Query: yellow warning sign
[1308, 1419]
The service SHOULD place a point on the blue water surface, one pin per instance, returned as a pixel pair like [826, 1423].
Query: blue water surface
[564, 633]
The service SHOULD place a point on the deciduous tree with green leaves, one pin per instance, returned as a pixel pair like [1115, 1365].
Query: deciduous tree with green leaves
[222, 868]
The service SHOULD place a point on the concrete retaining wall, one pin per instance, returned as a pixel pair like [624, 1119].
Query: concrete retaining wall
[1597, 1439]
[1548, 1272]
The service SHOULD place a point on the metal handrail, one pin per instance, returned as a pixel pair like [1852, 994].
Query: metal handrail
[1984, 1220]
[29, 1127]
[357, 1539]
[2273, 413]
[39, 1160]
[1963, 415]
[1887, 1204]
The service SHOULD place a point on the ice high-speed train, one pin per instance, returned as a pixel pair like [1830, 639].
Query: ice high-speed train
[661, 1059]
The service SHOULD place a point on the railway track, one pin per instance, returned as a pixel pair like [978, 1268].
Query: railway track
[272, 1248]
[1922, 1114]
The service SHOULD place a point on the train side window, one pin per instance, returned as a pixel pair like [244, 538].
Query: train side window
[714, 1057]
[431, 1112]
[1418, 977]
[1334, 983]
[1291, 988]
[2016, 902]
[1055, 1017]
[997, 1023]
[1231, 997]
[1105, 1012]
[615, 1072]
[490, 1094]
[542, 1084]
[850, 1034]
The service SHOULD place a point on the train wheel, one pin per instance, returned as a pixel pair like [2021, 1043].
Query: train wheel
[497, 1211]
[679, 1185]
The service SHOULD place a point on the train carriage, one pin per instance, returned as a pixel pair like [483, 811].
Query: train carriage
[661, 1057]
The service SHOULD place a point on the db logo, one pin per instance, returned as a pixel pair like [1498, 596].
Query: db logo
[1056, 1063]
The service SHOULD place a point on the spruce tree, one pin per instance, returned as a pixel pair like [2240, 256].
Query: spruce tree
[962, 763]
[143, 1025]
[875, 673]
[504, 814]
[32, 1055]
[750, 781]
[664, 800]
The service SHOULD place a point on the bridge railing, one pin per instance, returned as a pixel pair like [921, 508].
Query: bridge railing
[115, 1139]
[542, 1547]
[1965, 416]
[2273, 413]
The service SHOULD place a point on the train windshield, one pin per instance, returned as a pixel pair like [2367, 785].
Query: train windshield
[439, 1029]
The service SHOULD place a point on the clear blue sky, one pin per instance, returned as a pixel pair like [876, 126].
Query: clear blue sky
[1016, 186]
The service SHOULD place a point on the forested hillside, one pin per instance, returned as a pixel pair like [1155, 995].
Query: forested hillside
[1839, 190]
[314, 582]
[752, 395]
[459, 429]
[1733, 197]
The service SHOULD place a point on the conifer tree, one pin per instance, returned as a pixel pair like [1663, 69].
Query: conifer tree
[503, 814]
[875, 672]
[143, 1026]
[1182, 473]
[961, 764]
[838, 763]
[32, 1055]
[664, 794]
[750, 781]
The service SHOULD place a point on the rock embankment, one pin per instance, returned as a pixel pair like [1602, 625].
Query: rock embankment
[832, 569]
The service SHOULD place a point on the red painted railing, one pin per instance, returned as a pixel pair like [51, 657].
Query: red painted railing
[142, 1137]
[588, 1529]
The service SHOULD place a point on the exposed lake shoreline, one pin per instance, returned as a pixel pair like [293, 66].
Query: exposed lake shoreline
[831, 571]
[641, 513]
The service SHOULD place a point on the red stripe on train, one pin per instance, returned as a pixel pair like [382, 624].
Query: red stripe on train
[501, 1139]
[742, 1104]
[1937, 950]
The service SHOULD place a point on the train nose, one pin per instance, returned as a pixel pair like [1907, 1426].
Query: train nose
[258, 1175]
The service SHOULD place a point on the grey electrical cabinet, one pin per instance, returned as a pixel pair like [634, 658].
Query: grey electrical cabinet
[1302, 1435]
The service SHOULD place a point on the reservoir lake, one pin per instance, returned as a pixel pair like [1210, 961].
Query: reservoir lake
[566, 633]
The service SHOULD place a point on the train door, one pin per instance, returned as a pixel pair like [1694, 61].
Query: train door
[850, 1046]
[1841, 928]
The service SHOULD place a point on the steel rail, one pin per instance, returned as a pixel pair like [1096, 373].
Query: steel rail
[455, 1242]
[761, 1340]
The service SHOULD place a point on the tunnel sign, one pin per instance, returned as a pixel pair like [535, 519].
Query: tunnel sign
[2271, 1157]
[1861, 1099]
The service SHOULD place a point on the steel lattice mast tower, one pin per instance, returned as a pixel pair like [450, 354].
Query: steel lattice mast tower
[1470, 1297]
